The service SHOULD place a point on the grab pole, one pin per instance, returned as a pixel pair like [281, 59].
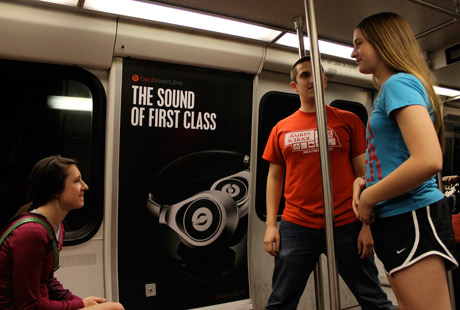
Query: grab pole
[334, 294]
[450, 278]
[299, 23]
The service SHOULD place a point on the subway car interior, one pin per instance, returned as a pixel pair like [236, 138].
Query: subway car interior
[165, 103]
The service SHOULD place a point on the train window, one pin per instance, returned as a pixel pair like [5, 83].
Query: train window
[451, 166]
[48, 110]
[274, 106]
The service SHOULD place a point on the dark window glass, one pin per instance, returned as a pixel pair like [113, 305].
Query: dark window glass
[274, 106]
[451, 166]
[48, 110]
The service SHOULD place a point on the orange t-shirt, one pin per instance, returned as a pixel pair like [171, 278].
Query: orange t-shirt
[456, 226]
[293, 144]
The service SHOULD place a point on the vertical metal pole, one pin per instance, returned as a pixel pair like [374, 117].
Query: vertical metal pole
[450, 278]
[450, 283]
[299, 23]
[319, 292]
[334, 294]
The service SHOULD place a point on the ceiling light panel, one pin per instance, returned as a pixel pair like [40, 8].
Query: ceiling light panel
[328, 48]
[169, 15]
[65, 2]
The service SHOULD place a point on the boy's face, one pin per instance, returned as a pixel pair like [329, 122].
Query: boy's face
[304, 80]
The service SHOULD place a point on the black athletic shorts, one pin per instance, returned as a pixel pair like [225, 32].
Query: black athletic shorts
[404, 239]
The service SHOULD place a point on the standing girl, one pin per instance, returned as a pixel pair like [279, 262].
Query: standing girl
[399, 195]
[30, 243]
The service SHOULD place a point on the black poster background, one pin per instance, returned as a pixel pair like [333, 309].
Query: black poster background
[149, 252]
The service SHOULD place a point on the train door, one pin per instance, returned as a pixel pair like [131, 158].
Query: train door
[275, 100]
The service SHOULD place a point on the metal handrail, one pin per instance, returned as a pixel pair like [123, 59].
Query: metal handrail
[334, 294]
[299, 24]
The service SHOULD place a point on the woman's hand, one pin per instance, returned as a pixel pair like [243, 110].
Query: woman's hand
[365, 209]
[97, 303]
[90, 301]
[358, 186]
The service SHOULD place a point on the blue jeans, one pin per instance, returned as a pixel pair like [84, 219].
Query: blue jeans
[300, 250]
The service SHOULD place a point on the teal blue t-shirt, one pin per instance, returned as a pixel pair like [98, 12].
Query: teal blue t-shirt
[386, 149]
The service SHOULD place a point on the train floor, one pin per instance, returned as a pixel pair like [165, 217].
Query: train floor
[390, 295]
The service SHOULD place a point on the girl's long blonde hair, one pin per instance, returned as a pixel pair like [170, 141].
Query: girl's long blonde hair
[392, 37]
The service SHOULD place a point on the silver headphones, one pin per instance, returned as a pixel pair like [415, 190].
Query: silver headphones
[209, 215]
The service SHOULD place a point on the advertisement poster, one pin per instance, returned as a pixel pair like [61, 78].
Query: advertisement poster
[185, 136]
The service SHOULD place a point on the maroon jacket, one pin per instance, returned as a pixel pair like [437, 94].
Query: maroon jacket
[26, 271]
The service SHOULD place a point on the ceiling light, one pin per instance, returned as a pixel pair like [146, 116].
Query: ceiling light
[179, 17]
[448, 92]
[65, 2]
[325, 47]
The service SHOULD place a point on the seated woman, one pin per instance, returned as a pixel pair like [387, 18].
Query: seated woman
[30, 242]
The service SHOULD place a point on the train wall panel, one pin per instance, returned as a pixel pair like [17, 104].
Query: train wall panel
[53, 36]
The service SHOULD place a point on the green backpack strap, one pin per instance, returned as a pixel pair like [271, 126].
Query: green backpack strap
[28, 219]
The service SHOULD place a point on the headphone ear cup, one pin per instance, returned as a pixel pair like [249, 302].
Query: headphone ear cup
[209, 217]
[237, 186]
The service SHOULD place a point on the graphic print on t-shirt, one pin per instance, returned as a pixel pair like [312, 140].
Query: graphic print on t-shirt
[307, 140]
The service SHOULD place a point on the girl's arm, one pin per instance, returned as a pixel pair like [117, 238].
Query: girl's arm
[425, 159]
[33, 261]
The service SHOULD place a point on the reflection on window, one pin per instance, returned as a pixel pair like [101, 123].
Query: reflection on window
[48, 110]
[70, 103]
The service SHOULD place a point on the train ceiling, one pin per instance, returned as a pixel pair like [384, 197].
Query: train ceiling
[337, 18]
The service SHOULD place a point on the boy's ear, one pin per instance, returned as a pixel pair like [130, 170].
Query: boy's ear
[293, 85]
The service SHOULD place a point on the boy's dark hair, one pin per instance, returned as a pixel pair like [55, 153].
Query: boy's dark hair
[299, 61]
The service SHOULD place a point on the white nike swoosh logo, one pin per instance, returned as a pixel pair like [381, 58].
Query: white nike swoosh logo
[399, 251]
